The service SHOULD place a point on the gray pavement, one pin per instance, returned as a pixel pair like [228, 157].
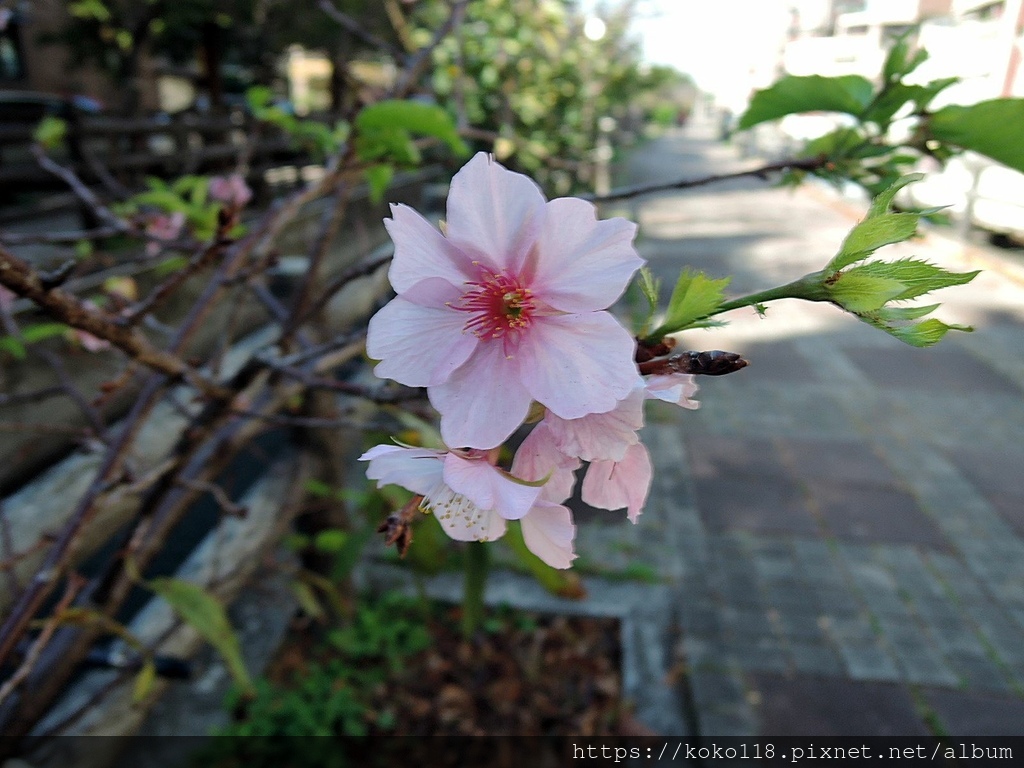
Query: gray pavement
[843, 521]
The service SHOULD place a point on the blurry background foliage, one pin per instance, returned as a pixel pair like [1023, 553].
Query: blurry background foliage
[519, 76]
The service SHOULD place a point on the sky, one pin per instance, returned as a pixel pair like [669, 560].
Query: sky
[715, 41]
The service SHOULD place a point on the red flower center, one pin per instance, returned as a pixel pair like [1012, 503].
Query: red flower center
[500, 307]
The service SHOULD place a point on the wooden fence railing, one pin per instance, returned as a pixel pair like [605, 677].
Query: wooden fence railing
[105, 150]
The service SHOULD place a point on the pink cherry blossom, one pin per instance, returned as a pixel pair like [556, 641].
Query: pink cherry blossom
[472, 499]
[678, 388]
[548, 529]
[231, 190]
[601, 436]
[507, 307]
[163, 228]
[618, 484]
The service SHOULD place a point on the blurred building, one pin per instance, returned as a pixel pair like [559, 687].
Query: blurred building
[978, 41]
[27, 63]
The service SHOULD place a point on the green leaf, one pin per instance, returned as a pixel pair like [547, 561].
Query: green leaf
[897, 64]
[923, 334]
[41, 331]
[905, 314]
[917, 277]
[649, 287]
[379, 178]
[880, 205]
[892, 100]
[205, 614]
[871, 234]
[50, 132]
[83, 249]
[169, 265]
[859, 293]
[810, 93]
[144, 681]
[13, 347]
[695, 297]
[164, 199]
[330, 540]
[992, 128]
[308, 601]
[258, 97]
[414, 117]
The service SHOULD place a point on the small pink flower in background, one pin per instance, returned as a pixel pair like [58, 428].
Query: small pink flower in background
[678, 388]
[230, 190]
[507, 307]
[163, 228]
[86, 340]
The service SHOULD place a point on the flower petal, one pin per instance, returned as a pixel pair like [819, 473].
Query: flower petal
[417, 346]
[494, 215]
[487, 487]
[678, 388]
[463, 520]
[548, 532]
[577, 364]
[538, 456]
[618, 484]
[599, 436]
[482, 402]
[581, 264]
[416, 469]
[421, 252]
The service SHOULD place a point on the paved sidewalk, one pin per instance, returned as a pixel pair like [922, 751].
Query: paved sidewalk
[843, 520]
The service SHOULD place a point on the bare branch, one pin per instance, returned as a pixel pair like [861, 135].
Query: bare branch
[762, 172]
[18, 276]
[352, 26]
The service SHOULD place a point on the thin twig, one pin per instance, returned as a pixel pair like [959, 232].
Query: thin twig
[75, 584]
[352, 26]
[82, 192]
[623, 193]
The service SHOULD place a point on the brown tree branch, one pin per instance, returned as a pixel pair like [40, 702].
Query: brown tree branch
[761, 172]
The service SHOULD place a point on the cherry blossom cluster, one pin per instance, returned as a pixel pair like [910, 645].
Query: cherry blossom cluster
[503, 319]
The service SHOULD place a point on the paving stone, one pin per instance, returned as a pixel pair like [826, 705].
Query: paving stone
[922, 666]
[979, 672]
[839, 604]
[875, 514]
[746, 621]
[800, 625]
[726, 724]
[867, 661]
[971, 713]
[804, 705]
[762, 653]
[943, 369]
[841, 461]
[997, 475]
[779, 362]
[815, 658]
